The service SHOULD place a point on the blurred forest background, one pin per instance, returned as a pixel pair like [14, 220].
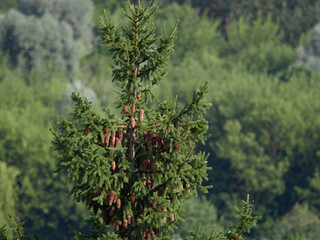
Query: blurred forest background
[262, 61]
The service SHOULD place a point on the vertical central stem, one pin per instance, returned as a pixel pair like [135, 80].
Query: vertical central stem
[132, 131]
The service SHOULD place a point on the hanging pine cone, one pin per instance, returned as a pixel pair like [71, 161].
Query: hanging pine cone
[132, 122]
[120, 134]
[88, 129]
[117, 142]
[111, 197]
[139, 96]
[149, 236]
[132, 108]
[149, 185]
[129, 219]
[115, 198]
[141, 112]
[154, 168]
[133, 198]
[125, 223]
[113, 138]
[113, 165]
[177, 146]
[144, 232]
[125, 109]
[118, 203]
[144, 180]
[106, 137]
[117, 226]
[172, 217]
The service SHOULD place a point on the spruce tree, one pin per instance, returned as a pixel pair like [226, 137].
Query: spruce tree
[134, 168]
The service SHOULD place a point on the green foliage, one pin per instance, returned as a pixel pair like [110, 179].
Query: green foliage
[246, 222]
[17, 230]
[7, 4]
[26, 110]
[8, 194]
[139, 185]
[198, 211]
[300, 223]
[195, 34]
[257, 45]
[44, 31]
[308, 55]
[295, 17]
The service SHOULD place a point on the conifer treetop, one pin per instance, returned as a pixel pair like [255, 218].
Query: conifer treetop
[135, 170]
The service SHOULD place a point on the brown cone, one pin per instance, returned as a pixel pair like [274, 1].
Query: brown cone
[125, 109]
[139, 96]
[141, 112]
[172, 217]
[125, 223]
[118, 203]
[113, 165]
[132, 122]
[113, 138]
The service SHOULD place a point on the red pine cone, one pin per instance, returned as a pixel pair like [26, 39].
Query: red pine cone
[139, 96]
[132, 108]
[154, 169]
[176, 145]
[132, 122]
[144, 232]
[164, 218]
[115, 198]
[144, 180]
[133, 198]
[118, 203]
[125, 109]
[189, 189]
[125, 223]
[129, 219]
[141, 112]
[172, 217]
[113, 138]
[117, 142]
[149, 185]
[117, 226]
[88, 129]
[106, 137]
[111, 197]
[149, 236]
[113, 165]
[120, 134]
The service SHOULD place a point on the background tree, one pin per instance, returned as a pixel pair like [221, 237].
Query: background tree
[308, 55]
[44, 31]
